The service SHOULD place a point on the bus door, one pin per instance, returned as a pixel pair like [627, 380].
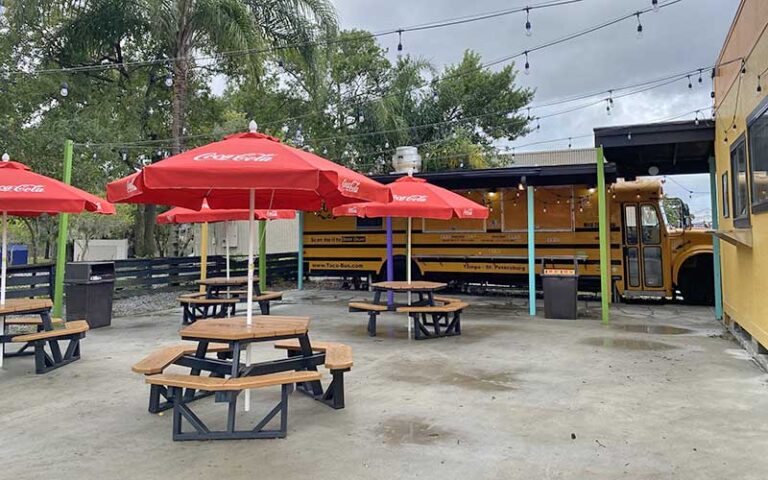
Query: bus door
[643, 259]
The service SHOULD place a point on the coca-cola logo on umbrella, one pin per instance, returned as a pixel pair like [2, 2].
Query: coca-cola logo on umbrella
[410, 198]
[468, 211]
[352, 186]
[235, 157]
[23, 188]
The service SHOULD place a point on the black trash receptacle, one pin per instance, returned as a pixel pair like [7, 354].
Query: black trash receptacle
[89, 288]
[560, 294]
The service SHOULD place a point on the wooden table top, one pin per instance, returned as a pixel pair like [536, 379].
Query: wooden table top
[226, 282]
[235, 328]
[415, 286]
[22, 305]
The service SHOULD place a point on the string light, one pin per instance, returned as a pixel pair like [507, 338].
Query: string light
[169, 80]
[655, 5]
[399, 40]
[639, 26]
[629, 136]
[529, 114]
[696, 119]
[608, 107]
[759, 85]
[528, 30]
[527, 64]
[701, 80]
[64, 90]
[570, 142]
[690, 85]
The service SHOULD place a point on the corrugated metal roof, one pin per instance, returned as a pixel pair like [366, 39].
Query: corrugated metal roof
[576, 156]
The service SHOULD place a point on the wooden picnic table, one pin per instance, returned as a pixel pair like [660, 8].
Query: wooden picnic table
[25, 307]
[214, 286]
[424, 289]
[238, 335]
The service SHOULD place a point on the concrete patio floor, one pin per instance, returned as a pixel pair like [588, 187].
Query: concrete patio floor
[661, 393]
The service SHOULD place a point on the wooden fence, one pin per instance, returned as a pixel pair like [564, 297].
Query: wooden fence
[139, 276]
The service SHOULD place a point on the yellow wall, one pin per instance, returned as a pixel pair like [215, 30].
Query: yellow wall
[745, 269]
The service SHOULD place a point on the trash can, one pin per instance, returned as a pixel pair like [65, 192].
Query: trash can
[560, 293]
[89, 288]
[19, 254]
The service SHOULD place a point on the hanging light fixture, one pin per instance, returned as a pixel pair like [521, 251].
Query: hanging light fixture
[639, 27]
[399, 41]
[655, 5]
[64, 90]
[527, 70]
[528, 30]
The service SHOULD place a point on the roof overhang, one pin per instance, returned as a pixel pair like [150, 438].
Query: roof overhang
[583, 174]
[674, 147]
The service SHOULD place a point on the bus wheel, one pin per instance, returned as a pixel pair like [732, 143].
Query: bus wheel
[696, 280]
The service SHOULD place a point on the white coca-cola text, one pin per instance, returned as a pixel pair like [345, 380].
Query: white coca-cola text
[235, 157]
[23, 188]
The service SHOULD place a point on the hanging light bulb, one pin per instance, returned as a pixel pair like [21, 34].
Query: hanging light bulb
[6, 157]
[521, 185]
[64, 91]
[284, 129]
[513, 153]
[538, 124]
[528, 30]
[608, 107]
[529, 114]
[759, 86]
[655, 5]
[629, 136]
[696, 119]
[743, 68]
[701, 80]
[639, 26]
[570, 142]
[690, 85]
[527, 70]
[399, 40]
[169, 80]
[280, 63]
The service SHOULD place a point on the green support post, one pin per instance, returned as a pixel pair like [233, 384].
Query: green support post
[605, 262]
[715, 241]
[262, 255]
[531, 255]
[300, 266]
[61, 246]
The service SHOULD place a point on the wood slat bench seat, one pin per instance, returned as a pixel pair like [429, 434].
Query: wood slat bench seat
[197, 306]
[157, 361]
[35, 321]
[263, 298]
[338, 356]
[444, 320]
[215, 384]
[373, 310]
[445, 300]
[227, 390]
[71, 332]
[338, 359]
[69, 328]
[446, 308]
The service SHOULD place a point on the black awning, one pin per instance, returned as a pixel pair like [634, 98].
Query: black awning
[512, 176]
[674, 148]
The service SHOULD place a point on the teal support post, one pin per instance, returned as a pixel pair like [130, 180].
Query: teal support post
[531, 255]
[715, 241]
[262, 255]
[61, 245]
[300, 266]
[603, 224]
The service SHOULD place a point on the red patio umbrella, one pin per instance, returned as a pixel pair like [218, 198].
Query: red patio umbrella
[208, 215]
[28, 194]
[415, 197]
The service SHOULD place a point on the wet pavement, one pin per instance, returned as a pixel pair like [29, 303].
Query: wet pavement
[661, 392]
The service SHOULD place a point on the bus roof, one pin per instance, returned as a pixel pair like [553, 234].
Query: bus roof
[580, 174]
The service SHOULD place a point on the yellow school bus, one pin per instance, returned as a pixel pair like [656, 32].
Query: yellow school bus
[649, 257]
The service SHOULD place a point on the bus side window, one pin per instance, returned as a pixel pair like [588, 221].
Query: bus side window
[630, 224]
[650, 223]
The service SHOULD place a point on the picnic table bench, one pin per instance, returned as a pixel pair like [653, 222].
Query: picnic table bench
[228, 338]
[44, 342]
[432, 315]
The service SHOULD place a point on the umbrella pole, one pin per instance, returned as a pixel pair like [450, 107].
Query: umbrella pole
[226, 253]
[249, 303]
[408, 271]
[203, 255]
[390, 263]
[3, 282]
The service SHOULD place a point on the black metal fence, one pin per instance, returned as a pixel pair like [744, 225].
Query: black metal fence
[139, 276]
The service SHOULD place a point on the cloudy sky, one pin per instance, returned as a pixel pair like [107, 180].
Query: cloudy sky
[681, 37]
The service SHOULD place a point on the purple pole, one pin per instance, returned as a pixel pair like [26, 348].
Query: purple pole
[390, 263]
